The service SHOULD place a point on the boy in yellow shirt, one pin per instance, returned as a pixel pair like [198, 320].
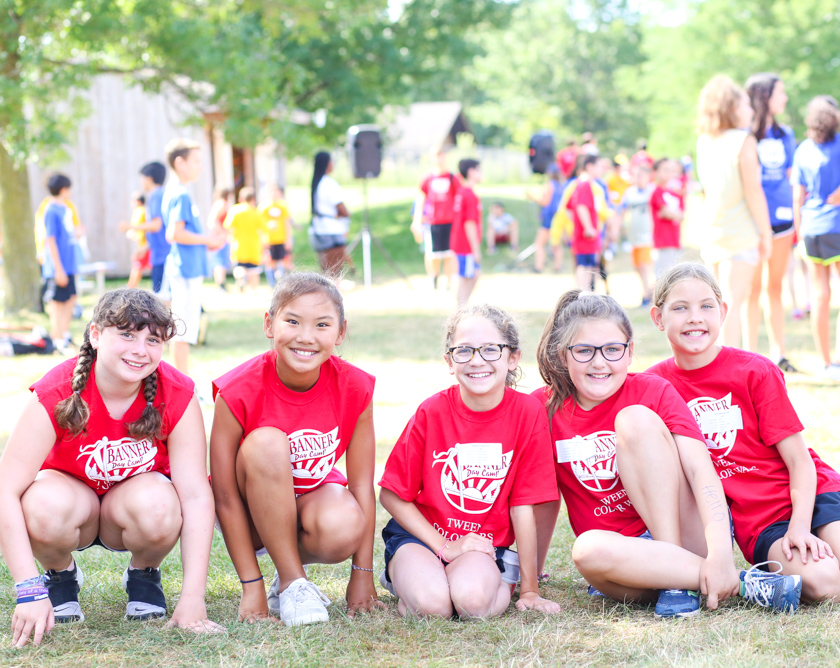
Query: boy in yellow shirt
[247, 229]
[279, 225]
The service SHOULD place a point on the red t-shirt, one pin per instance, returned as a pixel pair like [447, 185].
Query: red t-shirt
[105, 453]
[566, 158]
[583, 195]
[464, 470]
[467, 207]
[319, 422]
[440, 191]
[666, 232]
[584, 444]
[741, 404]
[641, 158]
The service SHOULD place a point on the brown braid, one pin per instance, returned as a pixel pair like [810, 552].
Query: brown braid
[73, 412]
[149, 424]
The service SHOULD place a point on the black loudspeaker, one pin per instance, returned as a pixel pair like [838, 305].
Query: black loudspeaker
[364, 150]
[541, 151]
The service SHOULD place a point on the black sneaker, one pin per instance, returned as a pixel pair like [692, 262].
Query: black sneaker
[63, 587]
[145, 594]
[785, 365]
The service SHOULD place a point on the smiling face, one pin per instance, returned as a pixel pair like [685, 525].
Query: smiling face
[305, 333]
[125, 356]
[691, 317]
[482, 382]
[597, 380]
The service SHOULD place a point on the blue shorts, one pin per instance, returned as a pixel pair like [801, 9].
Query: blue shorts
[467, 266]
[157, 277]
[221, 257]
[587, 260]
[395, 537]
[826, 511]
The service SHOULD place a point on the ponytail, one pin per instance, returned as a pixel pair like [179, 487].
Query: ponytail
[73, 412]
[322, 160]
[150, 422]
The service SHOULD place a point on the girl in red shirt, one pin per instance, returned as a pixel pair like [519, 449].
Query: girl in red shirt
[463, 479]
[785, 500]
[660, 530]
[110, 451]
[282, 421]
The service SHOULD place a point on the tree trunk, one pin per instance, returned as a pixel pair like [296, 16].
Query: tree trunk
[21, 274]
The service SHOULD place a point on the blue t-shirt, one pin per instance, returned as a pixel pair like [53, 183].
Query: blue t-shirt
[58, 223]
[816, 167]
[775, 154]
[158, 245]
[550, 209]
[186, 260]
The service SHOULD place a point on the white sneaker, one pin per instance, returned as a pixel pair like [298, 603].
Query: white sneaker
[831, 372]
[300, 603]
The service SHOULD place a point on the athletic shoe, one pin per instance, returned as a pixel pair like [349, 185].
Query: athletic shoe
[645, 302]
[388, 586]
[510, 574]
[145, 594]
[677, 603]
[594, 592]
[831, 372]
[299, 603]
[63, 587]
[771, 590]
[785, 365]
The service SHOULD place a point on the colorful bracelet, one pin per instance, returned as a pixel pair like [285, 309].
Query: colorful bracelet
[31, 590]
[440, 552]
[359, 568]
[250, 581]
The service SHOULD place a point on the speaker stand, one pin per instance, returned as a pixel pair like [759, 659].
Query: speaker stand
[366, 237]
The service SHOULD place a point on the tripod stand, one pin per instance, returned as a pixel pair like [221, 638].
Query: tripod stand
[366, 237]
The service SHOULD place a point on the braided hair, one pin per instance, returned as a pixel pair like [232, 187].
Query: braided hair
[127, 309]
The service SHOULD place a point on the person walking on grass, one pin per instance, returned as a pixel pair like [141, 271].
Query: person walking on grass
[247, 229]
[466, 230]
[281, 240]
[330, 219]
[282, 421]
[110, 451]
[549, 201]
[462, 481]
[152, 178]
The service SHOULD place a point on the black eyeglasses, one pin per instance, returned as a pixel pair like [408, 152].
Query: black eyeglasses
[489, 352]
[612, 352]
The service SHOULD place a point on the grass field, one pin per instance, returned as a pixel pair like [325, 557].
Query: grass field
[395, 333]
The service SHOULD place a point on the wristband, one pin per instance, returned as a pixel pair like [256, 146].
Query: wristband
[250, 581]
[31, 590]
[440, 552]
[359, 568]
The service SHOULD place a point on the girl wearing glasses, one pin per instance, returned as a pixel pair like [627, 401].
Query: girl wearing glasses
[462, 481]
[660, 531]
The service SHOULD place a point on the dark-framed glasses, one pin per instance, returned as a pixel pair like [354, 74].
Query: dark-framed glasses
[489, 352]
[612, 352]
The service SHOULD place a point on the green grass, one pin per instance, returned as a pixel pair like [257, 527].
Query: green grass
[395, 333]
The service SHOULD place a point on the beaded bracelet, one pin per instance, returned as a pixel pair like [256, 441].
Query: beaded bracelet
[359, 568]
[250, 581]
[31, 590]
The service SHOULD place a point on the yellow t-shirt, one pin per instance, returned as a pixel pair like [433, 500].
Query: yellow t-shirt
[617, 187]
[138, 217]
[41, 232]
[248, 228]
[275, 217]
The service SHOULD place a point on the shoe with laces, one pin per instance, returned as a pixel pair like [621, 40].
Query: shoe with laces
[771, 590]
[63, 588]
[387, 586]
[591, 591]
[677, 604]
[145, 594]
[299, 603]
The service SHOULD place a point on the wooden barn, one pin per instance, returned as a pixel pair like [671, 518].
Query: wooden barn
[126, 129]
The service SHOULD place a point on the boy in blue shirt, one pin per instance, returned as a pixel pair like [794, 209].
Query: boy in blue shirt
[186, 263]
[59, 269]
[152, 177]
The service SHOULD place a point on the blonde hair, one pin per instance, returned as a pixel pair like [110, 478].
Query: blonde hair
[503, 321]
[680, 272]
[717, 109]
[572, 310]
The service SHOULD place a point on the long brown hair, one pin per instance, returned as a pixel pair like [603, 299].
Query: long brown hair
[127, 309]
[760, 89]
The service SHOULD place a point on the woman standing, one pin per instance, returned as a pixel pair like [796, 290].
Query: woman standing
[776, 144]
[739, 234]
[330, 218]
[549, 201]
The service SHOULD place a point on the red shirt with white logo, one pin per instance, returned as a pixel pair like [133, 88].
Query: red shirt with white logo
[104, 453]
[440, 191]
[666, 232]
[319, 422]
[467, 208]
[742, 407]
[584, 448]
[465, 469]
[583, 196]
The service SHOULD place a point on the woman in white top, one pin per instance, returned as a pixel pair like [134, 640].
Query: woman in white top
[330, 218]
[738, 234]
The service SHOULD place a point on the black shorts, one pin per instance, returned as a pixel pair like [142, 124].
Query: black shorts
[97, 542]
[395, 537]
[826, 511]
[55, 293]
[440, 238]
[822, 248]
[277, 251]
[782, 229]
[247, 265]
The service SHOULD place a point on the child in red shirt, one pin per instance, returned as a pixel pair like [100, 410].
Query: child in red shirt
[666, 209]
[586, 238]
[109, 451]
[662, 523]
[785, 500]
[283, 419]
[463, 479]
[466, 230]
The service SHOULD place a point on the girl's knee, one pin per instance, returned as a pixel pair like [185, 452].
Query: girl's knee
[593, 554]
[430, 602]
[821, 583]
[265, 449]
[156, 518]
[474, 602]
[633, 421]
[338, 532]
[49, 513]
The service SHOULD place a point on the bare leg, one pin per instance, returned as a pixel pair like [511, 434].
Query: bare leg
[821, 279]
[420, 582]
[734, 277]
[545, 515]
[752, 322]
[476, 586]
[491, 239]
[181, 356]
[820, 579]
[514, 235]
[465, 289]
[539, 248]
[450, 269]
[775, 310]
[330, 525]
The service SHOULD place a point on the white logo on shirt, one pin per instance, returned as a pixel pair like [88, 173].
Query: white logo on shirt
[109, 462]
[771, 153]
[473, 484]
[312, 454]
[719, 421]
[592, 458]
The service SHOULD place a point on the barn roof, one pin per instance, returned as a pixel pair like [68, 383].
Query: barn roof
[424, 126]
